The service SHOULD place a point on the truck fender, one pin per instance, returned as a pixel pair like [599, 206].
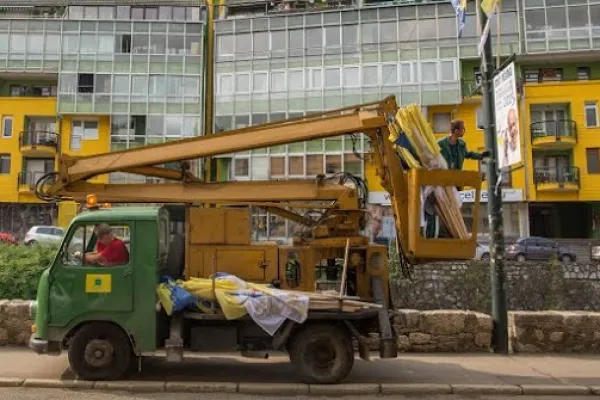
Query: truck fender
[78, 326]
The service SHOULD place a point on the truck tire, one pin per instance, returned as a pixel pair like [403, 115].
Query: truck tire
[100, 352]
[322, 353]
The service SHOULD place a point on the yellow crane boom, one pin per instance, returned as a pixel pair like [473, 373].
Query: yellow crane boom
[343, 216]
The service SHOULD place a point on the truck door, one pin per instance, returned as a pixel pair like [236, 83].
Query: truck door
[79, 285]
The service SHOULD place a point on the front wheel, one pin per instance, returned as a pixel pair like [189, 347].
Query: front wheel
[100, 352]
[323, 353]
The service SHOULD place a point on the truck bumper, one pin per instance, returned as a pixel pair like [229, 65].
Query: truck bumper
[43, 346]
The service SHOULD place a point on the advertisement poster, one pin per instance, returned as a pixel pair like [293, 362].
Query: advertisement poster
[507, 117]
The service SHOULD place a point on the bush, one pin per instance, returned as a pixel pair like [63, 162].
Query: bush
[20, 269]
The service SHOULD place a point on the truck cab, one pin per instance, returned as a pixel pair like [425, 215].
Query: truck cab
[107, 316]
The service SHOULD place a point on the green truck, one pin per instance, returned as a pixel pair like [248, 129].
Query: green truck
[108, 317]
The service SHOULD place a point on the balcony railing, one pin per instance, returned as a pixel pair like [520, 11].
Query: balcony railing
[556, 175]
[38, 138]
[563, 128]
[27, 180]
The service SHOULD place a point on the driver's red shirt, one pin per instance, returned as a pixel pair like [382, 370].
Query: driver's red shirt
[115, 253]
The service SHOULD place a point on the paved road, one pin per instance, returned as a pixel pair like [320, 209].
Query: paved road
[56, 394]
[407, 368]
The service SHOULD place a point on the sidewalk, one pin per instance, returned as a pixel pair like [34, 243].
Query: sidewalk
[514, 374]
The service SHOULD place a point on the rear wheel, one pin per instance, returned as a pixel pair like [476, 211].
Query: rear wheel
[101, 352]
[566, 258]
[323, 353]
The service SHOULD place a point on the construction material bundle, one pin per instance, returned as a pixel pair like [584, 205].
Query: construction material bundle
[416, 144]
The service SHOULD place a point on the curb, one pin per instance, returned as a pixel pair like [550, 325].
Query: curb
[298, 389]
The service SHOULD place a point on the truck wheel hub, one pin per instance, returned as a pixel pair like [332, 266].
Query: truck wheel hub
[99, 353]
[321, 355]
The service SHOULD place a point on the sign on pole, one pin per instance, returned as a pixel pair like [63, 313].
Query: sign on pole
[507, 117]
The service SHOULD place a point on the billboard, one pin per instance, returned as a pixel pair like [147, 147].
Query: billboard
[508, 135]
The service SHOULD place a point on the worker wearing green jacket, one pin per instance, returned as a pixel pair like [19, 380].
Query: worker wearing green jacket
[454, 150]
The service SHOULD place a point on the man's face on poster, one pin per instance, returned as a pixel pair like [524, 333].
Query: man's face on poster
[513, 129]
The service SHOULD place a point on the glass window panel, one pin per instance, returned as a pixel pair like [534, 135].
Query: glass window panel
[89, 44]
[102, 83]
[242, 83]
[260, 82]
[296, 38]
[243, 43]
[158, 44]
[261, 41]
[389, 74]
[190, 126]
[35, 44]
[155, 126]
[175, 44]
[349, 34]
[91, 12]
[193, 45]
[388, 32]
[173, 125]
[370, 76]
[223, 123]
[314, 38]
[120, 84]
[259, 119]
[578, 17]
[137, 12]
[106, 44]
[352, 164]
[535, 20]
[314, 78]
[333, 163]
[314, 164]
[296, 80]
[296, 165]
[427, 29]
[333, 145]
[429, 72]
[408, 31]
[68, 83]
[17, 43]
[51, 46]
[278, 81]
[241, 167]
[332, 77]
[179, 13]
[332, 36]
[123, 12]
[351, 77]
[165, 13]
[225, 44]
[174, 85]
[106, 13]
[225, 84]
[406, 73]
[277, 166]
[76, 12]
[447, 27]
[447, 70]
[139, 84]
[369, 33]
[278, 40]
[151, 13]
[556, 18]
[242, 121]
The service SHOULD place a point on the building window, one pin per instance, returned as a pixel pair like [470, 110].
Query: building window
[593, 160]
[532, 75]
[85, 83]
[551, 74]
[441, 122]
[583, 73]
[85, 130]
[7, 126]
[591, 114]
[4, 163]
[241, 168]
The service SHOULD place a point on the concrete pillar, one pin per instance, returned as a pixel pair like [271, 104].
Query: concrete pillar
[523, 219]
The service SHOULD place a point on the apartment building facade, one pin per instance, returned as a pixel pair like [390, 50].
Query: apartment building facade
[111, 77]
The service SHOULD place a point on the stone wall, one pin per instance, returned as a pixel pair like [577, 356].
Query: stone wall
[531, 286]
[15, 324]
[424, 331]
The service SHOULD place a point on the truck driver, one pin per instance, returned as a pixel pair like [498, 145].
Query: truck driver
[109, 249]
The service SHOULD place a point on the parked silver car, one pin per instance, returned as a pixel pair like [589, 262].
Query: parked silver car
[44, 234]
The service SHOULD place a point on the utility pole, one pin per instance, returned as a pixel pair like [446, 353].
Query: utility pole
[497, 274]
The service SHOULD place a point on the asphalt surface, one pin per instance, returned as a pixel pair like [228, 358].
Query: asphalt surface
[61, 394]
[407, 368]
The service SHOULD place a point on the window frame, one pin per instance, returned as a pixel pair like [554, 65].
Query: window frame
[4, 119]
[587, 160]
[593, 105]
[9, 157]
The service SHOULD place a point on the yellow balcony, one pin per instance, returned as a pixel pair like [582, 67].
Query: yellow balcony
[560, 134]
[556, 179]
[38, 143]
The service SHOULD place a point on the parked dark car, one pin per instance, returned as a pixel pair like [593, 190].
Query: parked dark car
[538, 248]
